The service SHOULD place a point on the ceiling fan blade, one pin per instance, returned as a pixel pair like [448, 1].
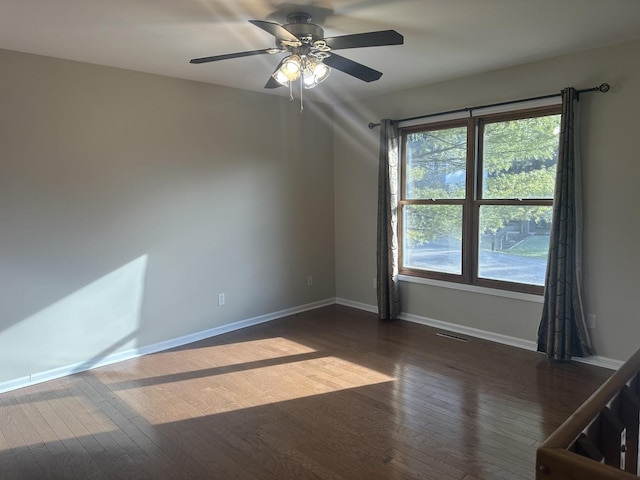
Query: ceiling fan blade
[227, 56]
[370, 39]
[276, 30]
[272, 83]
[352, 68]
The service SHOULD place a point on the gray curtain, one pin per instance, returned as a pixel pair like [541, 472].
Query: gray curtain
[562, 332]
[387, 251]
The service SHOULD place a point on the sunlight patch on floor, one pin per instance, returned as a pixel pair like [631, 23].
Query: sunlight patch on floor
[203, 358]
[181, 400]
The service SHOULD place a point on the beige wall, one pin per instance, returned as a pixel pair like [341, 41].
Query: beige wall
[611, 156]
[129, 201]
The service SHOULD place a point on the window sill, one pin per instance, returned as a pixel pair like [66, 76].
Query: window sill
[527, 297]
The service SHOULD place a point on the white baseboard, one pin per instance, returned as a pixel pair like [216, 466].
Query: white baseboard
[194, 337]
[14, 384]
[470, 331]
[156, 347]
[358, 305]
[596, 360]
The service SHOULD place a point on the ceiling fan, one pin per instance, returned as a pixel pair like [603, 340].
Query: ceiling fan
[310, 55]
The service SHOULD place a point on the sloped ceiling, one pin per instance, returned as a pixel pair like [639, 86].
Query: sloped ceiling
[443, 38]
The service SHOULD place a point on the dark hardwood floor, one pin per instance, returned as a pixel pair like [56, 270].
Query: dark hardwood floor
[328, 394]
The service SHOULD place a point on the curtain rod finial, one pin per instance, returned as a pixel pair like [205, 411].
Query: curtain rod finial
[373, 125]
[604, 87]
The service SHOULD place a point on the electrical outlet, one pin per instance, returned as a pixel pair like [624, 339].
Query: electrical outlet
[220, 299]
[591, 320]
[309, 281]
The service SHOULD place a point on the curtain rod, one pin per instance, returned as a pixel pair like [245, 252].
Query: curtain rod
[602, 88]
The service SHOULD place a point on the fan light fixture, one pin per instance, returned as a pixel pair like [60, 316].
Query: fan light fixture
[314, 73]
[311, 71]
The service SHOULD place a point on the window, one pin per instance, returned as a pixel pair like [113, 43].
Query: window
[477, 199]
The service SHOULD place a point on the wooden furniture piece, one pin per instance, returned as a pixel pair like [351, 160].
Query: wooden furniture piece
[599, 441]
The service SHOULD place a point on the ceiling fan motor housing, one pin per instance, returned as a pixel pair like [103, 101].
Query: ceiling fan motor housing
[299, 24]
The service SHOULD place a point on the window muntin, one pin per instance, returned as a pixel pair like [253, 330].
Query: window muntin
[476, 199]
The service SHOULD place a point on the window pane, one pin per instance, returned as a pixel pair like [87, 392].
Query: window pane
[520, 158]
[436, 163]
[433, 238]
[514, 243]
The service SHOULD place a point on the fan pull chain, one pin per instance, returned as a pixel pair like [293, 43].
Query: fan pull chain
[290, 91]
[301, 104]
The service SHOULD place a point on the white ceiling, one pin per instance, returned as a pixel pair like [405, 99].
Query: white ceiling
[443, 38]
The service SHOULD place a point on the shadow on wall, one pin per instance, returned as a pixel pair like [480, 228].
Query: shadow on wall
[79, 330]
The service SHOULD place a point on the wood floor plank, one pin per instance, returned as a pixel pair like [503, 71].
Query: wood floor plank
[181, 448]
[59, 452]
[9, 467]
[28, 465]
[329, 394]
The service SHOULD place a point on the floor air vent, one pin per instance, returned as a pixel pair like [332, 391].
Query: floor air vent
[452, 336]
